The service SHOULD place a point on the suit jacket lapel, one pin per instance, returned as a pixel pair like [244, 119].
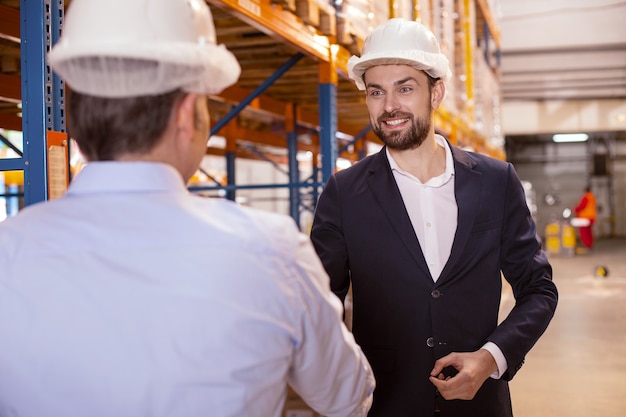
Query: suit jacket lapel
[467, 194]
[387, 194]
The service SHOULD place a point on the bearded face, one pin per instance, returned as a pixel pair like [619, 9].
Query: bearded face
[400, 102]
[410, 137]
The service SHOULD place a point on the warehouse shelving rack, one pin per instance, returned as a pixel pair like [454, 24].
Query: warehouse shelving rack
[293, 93]
[42, 95]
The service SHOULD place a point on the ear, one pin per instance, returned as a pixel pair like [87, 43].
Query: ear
[438, 93]
[185, 116]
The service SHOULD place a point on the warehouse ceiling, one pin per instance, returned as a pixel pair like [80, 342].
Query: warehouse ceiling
[562, 49]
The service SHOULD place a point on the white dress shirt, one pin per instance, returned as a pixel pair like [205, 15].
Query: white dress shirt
[131, 297]
[433, 211]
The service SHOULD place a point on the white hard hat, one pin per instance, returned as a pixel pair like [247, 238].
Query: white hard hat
[400, 41]
[125, 48]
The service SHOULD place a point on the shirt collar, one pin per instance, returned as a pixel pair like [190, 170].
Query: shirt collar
[437, 181]
[119, 177]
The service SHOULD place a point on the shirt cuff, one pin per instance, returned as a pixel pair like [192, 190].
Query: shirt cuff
[499, 358]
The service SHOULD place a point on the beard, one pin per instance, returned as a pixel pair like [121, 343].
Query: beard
[409, 138]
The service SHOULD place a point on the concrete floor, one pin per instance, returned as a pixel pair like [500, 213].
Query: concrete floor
[578, 367]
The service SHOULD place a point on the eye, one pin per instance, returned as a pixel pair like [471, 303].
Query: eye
[375, 93]
[405, 89]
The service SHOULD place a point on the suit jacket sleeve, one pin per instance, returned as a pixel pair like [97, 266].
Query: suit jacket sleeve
[525, 266]
[328, 239]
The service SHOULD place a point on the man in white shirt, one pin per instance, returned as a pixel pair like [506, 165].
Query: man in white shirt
[131, 297]
[423, 232]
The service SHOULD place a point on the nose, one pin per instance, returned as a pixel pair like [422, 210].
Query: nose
[391, 103]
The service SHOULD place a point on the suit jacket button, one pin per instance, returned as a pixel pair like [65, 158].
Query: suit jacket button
[430, 342]
[435, 294]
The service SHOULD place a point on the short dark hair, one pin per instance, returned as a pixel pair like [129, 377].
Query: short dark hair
[431, 81]
[107, 128]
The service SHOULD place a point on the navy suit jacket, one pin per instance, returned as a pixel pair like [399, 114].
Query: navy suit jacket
[401, 318]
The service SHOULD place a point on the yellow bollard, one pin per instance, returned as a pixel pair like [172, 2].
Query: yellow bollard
[568, 240]
[553, 238]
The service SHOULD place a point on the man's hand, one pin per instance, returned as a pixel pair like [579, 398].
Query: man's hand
[474, 368]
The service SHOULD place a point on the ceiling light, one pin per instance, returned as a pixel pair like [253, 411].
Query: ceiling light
[570, 137]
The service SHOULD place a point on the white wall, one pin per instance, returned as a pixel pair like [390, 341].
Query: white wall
[541, 24]
[529, 117]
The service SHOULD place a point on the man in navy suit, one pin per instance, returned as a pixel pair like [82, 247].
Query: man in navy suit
[424, 232]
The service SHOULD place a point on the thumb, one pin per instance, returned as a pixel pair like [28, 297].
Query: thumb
[440, 364]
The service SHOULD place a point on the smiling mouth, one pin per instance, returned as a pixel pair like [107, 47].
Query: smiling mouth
[395, 122]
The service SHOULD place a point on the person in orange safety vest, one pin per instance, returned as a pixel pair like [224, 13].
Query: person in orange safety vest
[586, 209]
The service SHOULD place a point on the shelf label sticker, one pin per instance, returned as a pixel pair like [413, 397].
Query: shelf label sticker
[251, 6]
[57, 171]
[58, 167]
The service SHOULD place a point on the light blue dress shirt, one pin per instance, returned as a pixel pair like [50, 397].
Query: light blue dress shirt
[129, 296]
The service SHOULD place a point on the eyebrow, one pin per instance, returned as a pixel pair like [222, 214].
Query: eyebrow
[399, 82]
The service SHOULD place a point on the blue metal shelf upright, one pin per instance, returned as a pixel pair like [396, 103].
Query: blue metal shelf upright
[43, 94]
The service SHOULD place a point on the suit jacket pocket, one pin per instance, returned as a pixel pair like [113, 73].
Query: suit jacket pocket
[486, 225]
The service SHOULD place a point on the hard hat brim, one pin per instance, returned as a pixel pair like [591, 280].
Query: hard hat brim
[419, 60]
[215, 67]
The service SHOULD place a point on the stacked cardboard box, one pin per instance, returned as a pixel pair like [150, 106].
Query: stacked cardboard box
[443, 19]
[319, 14]
[488, 100]
[356, 18]
[296, 407]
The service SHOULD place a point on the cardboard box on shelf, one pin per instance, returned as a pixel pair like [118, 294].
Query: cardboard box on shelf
[487, 95]
[318, 14]
[356, 18]
[296, 407]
